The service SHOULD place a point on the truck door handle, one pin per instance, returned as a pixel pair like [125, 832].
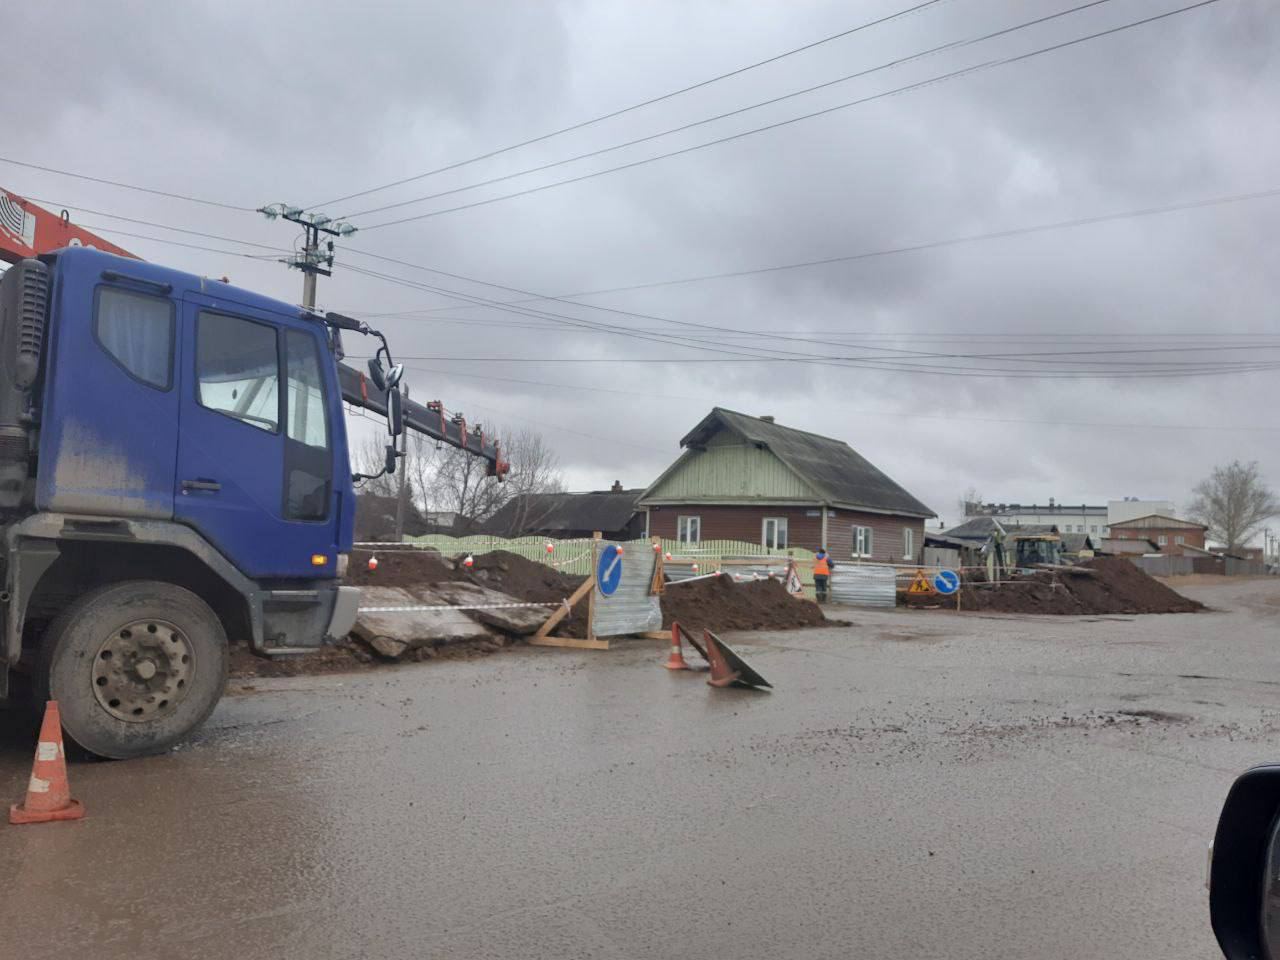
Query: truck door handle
[210, 485]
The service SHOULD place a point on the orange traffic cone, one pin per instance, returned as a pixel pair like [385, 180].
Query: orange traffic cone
[48, 793]
[676, 660]
[727, 668]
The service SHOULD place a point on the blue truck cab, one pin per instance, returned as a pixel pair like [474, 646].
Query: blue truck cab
[174, 471]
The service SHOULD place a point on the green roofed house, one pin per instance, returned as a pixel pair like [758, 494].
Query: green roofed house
[751, 479]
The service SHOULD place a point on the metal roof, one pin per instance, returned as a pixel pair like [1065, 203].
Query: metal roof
[1157, 521]
[838, 474]
[980, 528]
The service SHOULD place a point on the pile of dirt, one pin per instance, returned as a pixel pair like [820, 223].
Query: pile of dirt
[1102, 585]
[717, 603]
[500, 570]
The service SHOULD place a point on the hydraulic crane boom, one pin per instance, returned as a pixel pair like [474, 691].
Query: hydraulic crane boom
[429, 419]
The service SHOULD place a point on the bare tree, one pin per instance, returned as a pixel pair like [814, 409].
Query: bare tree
[458, 483]
[1234, 502]
[369, 458]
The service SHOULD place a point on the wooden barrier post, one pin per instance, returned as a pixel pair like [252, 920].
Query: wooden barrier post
[543, 638]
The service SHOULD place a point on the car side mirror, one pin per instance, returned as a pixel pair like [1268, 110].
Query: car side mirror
[395, 416]
[1244, 868]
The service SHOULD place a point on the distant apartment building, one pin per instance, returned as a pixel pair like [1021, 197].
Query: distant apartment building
[1094, 520]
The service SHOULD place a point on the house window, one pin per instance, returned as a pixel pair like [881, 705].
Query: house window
[1163, 540]
[861, 541]
[908, 543]
[773, 534]
[689, 529]
[1179, 539]
[1093, 528]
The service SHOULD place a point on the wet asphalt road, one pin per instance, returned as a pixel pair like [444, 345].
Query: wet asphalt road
[919, 785]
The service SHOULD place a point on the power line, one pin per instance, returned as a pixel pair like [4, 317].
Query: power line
[954, 44]
[162, 226]
[923, 246]
[174, 243]
[126, 186]
[650, 395]
[878, 363]
[987, 65]
[634, 106]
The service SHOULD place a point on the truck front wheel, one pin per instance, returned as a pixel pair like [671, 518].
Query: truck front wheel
[134, 666]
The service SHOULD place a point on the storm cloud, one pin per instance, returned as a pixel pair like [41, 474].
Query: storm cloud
[305, 102]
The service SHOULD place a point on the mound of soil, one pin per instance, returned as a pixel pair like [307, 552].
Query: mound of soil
[508, 572]
[1111, 585]
[717, 603]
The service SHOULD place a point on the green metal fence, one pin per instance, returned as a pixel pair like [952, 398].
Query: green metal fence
[574, 556]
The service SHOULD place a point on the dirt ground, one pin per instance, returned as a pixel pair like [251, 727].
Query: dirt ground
[924, 784]
[1100, 585]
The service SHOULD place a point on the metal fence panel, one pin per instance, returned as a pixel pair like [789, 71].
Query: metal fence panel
[631, 608]
[864, 584]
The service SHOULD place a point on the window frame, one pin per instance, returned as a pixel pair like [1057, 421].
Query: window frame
[281, 411]
[682, 521]
[780, 526]
[1162, 539]
[870, 541]
[173, 332]
[1180, 539]
[908, 543]
[283, 334]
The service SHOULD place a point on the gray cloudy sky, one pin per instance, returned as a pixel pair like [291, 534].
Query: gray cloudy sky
[249, 103]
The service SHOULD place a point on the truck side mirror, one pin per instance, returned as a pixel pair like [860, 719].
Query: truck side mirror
[376, 373]
[394, 375]
[389, 466]
[395, 416]
[1244, 868]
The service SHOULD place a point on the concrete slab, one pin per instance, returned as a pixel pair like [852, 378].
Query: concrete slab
[520, 621]
[391, 635]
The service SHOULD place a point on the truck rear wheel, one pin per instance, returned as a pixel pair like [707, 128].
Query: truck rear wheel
[134, 666]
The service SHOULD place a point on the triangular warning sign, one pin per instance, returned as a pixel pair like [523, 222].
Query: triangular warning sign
[920, 584]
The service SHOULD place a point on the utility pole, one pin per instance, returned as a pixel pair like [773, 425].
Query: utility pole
[402, 496]
[313, 259]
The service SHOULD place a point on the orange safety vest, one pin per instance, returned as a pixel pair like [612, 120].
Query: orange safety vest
[821, 568]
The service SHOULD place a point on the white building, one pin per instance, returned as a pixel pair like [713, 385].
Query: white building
[1093, 519]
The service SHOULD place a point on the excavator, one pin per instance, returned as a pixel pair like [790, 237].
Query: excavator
[174, 472]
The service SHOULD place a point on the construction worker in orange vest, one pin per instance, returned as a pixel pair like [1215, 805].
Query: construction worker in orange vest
[821, 573]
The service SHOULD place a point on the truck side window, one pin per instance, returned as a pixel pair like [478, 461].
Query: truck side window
[308, 465]
[137, 331]
[238, 369]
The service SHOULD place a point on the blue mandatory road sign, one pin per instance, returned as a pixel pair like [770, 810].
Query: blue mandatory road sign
[609, 572]
[946, 582]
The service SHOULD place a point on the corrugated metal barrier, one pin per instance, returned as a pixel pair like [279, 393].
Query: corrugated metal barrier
[864, 584]
[631, 608]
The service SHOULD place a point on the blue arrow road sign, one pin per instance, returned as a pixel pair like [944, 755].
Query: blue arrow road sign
[609, 572]
[946, 582]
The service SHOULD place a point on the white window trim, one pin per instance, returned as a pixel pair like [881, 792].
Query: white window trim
[780, 527]
[908, 543]
[870, 538]
[682, 521]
